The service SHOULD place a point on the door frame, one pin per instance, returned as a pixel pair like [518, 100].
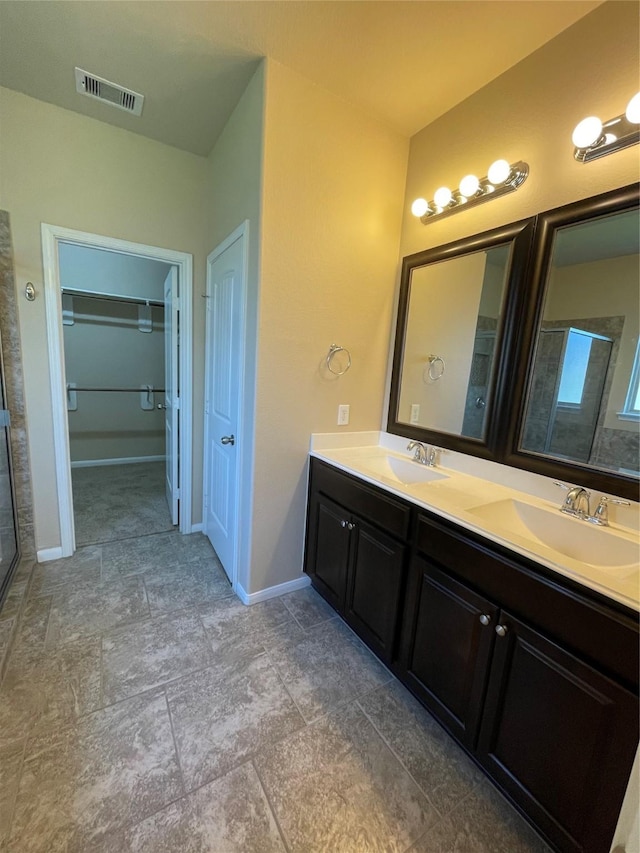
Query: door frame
[243, 468]
[52, 236]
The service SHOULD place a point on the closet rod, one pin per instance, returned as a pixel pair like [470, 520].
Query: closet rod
[137, 390]
[111, 297]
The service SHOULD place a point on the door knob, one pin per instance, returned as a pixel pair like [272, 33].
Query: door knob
[228, 439]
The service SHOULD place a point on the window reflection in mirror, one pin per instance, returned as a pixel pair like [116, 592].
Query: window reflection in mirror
[453, 318]
[582, 402]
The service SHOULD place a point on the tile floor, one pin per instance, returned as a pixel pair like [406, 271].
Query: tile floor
[112, 502]
[144, 708]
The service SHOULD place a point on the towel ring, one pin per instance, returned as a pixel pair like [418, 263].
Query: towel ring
[333, 350]
[433, 372]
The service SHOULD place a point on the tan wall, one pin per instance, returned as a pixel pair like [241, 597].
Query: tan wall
[65, 169]
[333, 182]
[233, 194]
[105, 348]
[529, 113]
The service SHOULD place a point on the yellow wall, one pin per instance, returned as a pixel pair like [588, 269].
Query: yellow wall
[333, 181]
[234, 194]
[529, 113]
[65, 169]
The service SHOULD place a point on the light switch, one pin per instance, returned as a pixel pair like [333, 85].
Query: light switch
[415, 413]
[343, 414]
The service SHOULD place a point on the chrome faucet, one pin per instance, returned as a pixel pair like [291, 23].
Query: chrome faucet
[601, 514]
[420, 452]
[576, 502]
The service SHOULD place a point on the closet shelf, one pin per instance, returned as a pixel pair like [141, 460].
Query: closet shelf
[137, 389]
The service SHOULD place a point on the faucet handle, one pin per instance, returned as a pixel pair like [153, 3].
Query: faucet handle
[601, 514]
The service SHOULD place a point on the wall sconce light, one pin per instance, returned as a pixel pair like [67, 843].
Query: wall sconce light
[502, 178]
[593, 139]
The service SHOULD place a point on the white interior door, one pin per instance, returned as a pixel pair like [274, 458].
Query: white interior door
[225, 306]
[171, 392]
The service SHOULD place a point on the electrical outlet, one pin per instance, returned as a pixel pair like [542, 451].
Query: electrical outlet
[415, 413]
[343, 414]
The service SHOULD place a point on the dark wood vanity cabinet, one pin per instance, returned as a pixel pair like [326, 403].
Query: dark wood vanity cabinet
[534, 675]
[356, 553]
[537, 681]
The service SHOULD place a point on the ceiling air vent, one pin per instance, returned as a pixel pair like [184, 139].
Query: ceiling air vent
[108, 93]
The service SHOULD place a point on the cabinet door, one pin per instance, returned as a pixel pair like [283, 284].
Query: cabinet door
[446, 648]
[559, 737]
[328, 549]
[375, 586]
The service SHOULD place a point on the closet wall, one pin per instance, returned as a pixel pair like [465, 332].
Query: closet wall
[106, 348]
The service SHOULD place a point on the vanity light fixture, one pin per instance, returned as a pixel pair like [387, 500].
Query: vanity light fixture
[502, 178]
[592, 138]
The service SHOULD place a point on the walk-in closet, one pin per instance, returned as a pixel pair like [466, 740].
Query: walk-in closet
[116, 366]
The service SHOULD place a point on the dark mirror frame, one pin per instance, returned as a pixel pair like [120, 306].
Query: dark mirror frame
[520, 235]
[616, 201]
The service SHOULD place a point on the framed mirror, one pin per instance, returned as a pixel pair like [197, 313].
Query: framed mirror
[576, 395]
[457, 316]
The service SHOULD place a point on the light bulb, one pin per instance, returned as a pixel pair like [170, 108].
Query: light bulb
[499, 171]
[469, 186]
[587, 132]
[633, 110]
[443, 196]
[419, 207]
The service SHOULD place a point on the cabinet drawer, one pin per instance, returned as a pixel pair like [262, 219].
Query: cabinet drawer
[383, 510]
[596, 630]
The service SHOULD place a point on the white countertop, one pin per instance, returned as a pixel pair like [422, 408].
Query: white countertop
[463, 492]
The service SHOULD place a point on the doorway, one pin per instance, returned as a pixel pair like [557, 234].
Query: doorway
[119, 333]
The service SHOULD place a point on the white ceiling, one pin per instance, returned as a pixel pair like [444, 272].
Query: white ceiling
[405, 62]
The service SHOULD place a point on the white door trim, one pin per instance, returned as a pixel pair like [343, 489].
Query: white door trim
[244, 456]
[52, 235]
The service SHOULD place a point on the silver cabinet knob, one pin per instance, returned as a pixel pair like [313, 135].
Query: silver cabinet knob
[501, 630]
[350, 525]
[343, 523]
[485, 619]
[228, 439]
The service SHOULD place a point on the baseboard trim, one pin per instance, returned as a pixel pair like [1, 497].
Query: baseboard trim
[124, 460]
[197, 528]
[46, 554]
[271, 591]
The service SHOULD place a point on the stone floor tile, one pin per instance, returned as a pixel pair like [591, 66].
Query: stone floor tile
[83, 609]
[84, 565]
[194, 546]
[10, 767]
[185, 585]
[436, 762]
[138, 555]
[111, 768]
[336, 786]
[7, 627]
[220, 722]
[46, 691]
[147, 654]
[101, 493]
[482, 823]
[329, 667]
[286, 634]
[230, 815]
[308, 607]
[231, 618]
[12, 604]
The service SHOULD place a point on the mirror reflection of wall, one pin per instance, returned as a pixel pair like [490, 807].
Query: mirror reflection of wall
[453, 312]
[582, 404]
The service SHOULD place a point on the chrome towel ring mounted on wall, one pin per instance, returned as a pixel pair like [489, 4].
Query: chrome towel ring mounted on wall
[435, 369]
[334, 349]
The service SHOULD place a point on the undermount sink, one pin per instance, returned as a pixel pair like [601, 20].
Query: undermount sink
[575, 538]
[402, 471]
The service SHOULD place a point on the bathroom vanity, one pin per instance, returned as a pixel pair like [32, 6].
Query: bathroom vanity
[528, 656]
